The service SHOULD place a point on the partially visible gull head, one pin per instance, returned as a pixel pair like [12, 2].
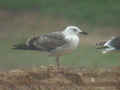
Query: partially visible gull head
[109, 46]
[74, 30]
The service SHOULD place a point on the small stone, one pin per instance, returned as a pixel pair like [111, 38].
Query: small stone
[92, 79]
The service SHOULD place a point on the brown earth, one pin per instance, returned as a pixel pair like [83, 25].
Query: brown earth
[51, 78]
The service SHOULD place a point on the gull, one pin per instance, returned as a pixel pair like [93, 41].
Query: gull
[112, 45]
[55, 43]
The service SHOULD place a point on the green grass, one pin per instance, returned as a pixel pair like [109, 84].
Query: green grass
[93, 12]
[84, 56]
[52, 14]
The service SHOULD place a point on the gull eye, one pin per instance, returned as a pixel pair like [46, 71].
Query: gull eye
[75, 30]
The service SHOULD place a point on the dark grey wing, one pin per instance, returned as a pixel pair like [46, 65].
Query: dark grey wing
[115, 42]
[47, 42]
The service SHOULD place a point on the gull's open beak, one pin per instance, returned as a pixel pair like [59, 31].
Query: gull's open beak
[84, 33]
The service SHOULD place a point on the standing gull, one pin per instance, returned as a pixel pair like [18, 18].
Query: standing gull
[56, 43]
[112, 45]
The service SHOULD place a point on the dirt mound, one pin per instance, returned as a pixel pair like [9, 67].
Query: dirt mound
[51, 78]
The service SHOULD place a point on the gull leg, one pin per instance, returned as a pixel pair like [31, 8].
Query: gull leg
[58, 61]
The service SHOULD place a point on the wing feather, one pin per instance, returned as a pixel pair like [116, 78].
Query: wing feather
[47, 42]
[115, 42]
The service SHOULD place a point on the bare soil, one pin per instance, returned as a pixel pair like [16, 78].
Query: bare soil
[52, 78]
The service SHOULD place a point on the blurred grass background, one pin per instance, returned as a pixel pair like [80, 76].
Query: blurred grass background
[20, 19]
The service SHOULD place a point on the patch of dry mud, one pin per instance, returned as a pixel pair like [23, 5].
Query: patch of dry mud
[51, 78]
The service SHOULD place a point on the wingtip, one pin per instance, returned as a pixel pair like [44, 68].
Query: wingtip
[19, 46]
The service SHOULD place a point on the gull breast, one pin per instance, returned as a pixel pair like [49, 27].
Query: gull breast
[73, 41]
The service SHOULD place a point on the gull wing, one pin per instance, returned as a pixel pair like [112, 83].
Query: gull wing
[46, 42]
[115, 42]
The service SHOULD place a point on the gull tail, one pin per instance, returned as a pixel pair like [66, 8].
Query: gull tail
[25, 45]
[21, 46]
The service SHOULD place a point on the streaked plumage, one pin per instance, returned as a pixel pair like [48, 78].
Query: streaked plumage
[56, 43]
[46, 42]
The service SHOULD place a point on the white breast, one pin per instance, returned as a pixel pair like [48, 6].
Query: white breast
[73, 41]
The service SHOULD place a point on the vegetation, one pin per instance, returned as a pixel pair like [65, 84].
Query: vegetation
[85, 69]
[50, 78]
[20, 19]
[93, 12]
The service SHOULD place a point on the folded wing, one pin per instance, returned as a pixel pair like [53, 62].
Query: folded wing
[115, 42]
[46, 42]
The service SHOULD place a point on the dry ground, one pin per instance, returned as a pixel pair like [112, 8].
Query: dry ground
[50, 78]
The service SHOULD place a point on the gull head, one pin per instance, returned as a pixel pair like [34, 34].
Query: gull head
[106, 46]
[74, 30]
